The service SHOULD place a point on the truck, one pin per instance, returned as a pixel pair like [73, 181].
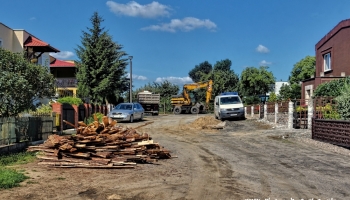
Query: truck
[149, 101]
[184, 104]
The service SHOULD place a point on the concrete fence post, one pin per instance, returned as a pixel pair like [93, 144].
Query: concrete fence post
[252, 111]
[265, 111]
[276, 113]
[290, 115]
[310, 113]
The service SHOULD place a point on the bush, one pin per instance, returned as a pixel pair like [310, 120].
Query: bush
[70, 100]
[331, 89]
[343, 102]
[44, 109]
[91, 119]
[301, 108]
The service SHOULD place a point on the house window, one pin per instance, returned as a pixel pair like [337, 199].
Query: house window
[327, 61]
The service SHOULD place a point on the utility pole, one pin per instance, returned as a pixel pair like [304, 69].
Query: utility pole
[130, 89]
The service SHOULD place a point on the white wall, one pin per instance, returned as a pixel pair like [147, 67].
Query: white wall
[278, 85]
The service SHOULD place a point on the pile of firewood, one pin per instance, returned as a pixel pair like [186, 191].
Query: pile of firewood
[100, 145]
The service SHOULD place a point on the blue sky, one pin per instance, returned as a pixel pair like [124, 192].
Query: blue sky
[168, 38]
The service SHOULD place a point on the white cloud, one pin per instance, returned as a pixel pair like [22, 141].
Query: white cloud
[186, 24]
[262, 49]
[175, 80]
[62, 54]
[264, 63]
[135, 9]
[137, 77]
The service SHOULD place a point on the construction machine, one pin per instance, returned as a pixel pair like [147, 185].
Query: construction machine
[183, 103]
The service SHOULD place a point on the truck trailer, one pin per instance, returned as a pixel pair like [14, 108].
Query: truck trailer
[149, 101]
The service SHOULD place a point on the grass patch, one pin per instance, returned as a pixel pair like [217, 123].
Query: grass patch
[11, 177]
[17, 158]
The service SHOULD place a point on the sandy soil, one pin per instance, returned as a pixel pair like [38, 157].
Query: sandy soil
[245, 160]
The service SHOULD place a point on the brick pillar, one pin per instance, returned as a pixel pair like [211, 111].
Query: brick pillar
[76, 116]
[57, 108]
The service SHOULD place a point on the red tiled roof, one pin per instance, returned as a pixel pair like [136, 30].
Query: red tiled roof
[61, 63]
[35, 42]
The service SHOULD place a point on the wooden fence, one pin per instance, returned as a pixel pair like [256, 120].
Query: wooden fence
[21, 129]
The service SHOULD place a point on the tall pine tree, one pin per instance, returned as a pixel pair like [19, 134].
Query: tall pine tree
[101, 67]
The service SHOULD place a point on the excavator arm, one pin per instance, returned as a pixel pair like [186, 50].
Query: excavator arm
[184, 103]
[194, 86]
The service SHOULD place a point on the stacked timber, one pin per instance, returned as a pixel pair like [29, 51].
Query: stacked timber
[100, 145]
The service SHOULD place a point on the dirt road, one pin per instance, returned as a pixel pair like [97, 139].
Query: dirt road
[245, 160]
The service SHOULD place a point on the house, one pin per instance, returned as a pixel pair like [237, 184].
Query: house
[332, 58]
[34, 49]
[64, 73]
[20, 41]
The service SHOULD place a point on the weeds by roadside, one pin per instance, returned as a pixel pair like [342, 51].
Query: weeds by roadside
[11, 177]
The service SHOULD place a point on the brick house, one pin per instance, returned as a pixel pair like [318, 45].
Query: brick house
[332, 58]
[65, 75]
[20, 41]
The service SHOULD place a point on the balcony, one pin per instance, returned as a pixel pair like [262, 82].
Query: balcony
[66, 82]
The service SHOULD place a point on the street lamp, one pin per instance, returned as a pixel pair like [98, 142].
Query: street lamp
[130, 89]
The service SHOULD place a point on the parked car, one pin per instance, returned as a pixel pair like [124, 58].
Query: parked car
[127, 112]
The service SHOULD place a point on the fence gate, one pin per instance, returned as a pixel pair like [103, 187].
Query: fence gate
[300, 114]
[68, 115]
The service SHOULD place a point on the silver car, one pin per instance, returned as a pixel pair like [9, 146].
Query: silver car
[127, 112]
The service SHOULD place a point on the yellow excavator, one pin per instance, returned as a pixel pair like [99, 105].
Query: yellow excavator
[184, 104]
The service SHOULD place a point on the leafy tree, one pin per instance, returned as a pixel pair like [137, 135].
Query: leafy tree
[302, 70]
[285, 92]
[223, 65]
[21, 83]
[295, 91]
[272, 97]
[290, 92]
[224, 79]
[101, 67]
[200, 70]
[256, 81]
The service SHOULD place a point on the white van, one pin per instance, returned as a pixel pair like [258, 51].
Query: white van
[228, 105]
